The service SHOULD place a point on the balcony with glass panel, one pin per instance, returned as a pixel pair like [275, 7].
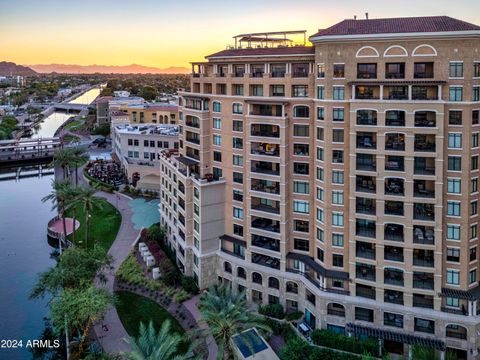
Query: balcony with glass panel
[265, 242]
[265, 149]
[367, 92]
[423, 280]
[424, 212]
[367, 71]
[395, 118]
[265, 224]
[278, 70]
[366, 184]
[265, 260]
[395, 142]
[192, 137]
[393, 253]
[425, 119]
[395, 70]
[394, 232]
[392, 276]
[423, 235]
[365, 206]
[238, 70]
[394, 186]
[424, 166]
[423, 258]
[394, 208]
[365, 228]
[395, 92]
[394, 163]
[366, 140]
[222, 70]
[365, 271]
[257, 71]
[192, 121]
[365, 250]
[266, 110]
[367, 117]
[266, 186]
[265, 205]
[423, 70]
[366, 162]
[424, 188]
[425, 92]
[265, 167]
[300, 70]
[265, 130]
[393, 297]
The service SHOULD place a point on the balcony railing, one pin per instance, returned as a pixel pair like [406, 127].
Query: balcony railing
[423, 281]
[422, 302]
[393, 277]
[266, 208]
[266, 225]
[423, 235]
[393, 297]
[271, 189]
[232, 253]
[365, 292]
[365, 273]
[267, 261]
[265, 243]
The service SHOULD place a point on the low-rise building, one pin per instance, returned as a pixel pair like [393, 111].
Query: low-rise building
[107, 104]
[121, 93]
[156, 113]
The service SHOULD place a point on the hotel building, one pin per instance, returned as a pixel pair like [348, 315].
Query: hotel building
[339, 179]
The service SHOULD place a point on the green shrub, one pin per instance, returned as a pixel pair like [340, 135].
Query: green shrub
[333, 340]
[189, 285]
[272, 310]
[298, 349]
[294, 316]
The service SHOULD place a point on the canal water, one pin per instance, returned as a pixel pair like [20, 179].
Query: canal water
[24, 250]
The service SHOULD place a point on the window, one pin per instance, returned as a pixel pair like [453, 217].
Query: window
[196, 193]
[320, 153]
[338, 114]
[473, 254]
[476, 69]
[337, 156]
[456, 93]
[301, 244]
[320, 174]
[453, 232]
[256, 90]
[320, 113]
[337, 197]
[300, 225]
[454, 186]
[217, 123]
[455, 117]
[475, 140]
[454, 141]
[300, 168]
[337, 177]
[238, 178]
[337, 260]
[278, 90]
[320, 133]
[474, 162]
[473, 231]
[474, 185]
[452, 302]
[237, 125]
[300, 90]
[320, 255]
[339, 71]
[238, 195]
[473, 208]
[217, 140]
[453, 255]
[337, 240]
[453, 208]
[475, 117]
[476, 93]
[338, 93]
[454, 163]
[320, 92]
[237, 213]
[217, 156]
[301, 111]
[337, 219]
[237, 89]
[337, 135]
[301, 207]
[320, 194]
[237, 108]
[320, 71]
[453, 277]
[237, 230]
[366, 71]
[456, 69]
[301, 130]
[320, 235]
[217, 172]
[216, 107]
[301, 187]
[320, 215]
[237, 143]
[237, 160]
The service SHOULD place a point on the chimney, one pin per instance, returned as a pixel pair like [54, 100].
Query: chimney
[366, 15]
[354, 17]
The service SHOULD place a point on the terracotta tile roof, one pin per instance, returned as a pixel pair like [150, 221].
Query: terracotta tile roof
[397, 25]
[103, 99]
[294, 50]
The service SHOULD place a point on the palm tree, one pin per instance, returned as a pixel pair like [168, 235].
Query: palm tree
[226, 315]
[60, 197]
[80, 157]
[88, 202]
[164, 345]
[63, 158]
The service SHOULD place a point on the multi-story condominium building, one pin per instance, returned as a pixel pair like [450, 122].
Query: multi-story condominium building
[157, 113]
[339, 179]
[106, 104]
[138, 148]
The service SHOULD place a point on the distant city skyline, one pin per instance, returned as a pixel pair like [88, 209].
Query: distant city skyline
[153, 33]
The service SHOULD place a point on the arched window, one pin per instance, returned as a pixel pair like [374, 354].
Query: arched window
[367, 51]
[237, 108]
[273, 283]
[301, 111]
[395, 118]
[336, 309]
[456, 331]
[395, 50]
[257, 278]
[292, 287]
[241, 273]
[227, 267]
[424, 50]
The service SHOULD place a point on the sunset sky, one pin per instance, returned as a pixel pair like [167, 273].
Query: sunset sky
[172, 33]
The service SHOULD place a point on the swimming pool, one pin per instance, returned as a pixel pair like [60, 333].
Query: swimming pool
[145, 213]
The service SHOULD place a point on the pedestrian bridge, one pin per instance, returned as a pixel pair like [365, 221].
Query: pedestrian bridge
[70, 107]
[24, 150]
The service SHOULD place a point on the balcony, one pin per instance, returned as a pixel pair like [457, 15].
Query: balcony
[336, 310]
[394, 163]
[265, 205]
[367, 92]
[366, 140]
[424, 188]
[365, 272]
[366, 162]
[266, 186]
[394, 186]
[393, 276]
[238, 71]
[192, 121]
[265, 167]
[394, 232]
[365, 206]
[222, 71]
[366, 184]
[192, 137]
[395, 92]
[456, 332]
[278, 70]
[257, 71]
[393, 253]
[300, 149]
[425, 119]
[423, 235]
[265, 260]
[265, 224]
[272, 131]
[423, 70]
[265, 243]
[266, 110]
[300, 70]
[395, 118]
[231, 249]
[425, 93]
[423, 301]
[423, 280]
[367, 117]
[424, 258]
[365, 250]
[395, 142]
[265, 149]
[365, 228]
[424, 166]
[363, 314]
[366, 71]
[393, 297]
[394, 208]
[365, 291]
[424, 212]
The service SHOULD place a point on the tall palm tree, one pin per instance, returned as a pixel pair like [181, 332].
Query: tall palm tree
[88, 202]
[80, 157]
[163, 345]
[226, 315]
[63, 158]
[60, 197]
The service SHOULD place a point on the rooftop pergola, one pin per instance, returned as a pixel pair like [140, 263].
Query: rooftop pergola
[268, 39]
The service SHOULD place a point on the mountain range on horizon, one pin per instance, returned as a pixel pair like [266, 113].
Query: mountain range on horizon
[10, 68]
[105, 69]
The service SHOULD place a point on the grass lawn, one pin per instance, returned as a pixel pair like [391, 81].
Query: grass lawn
[69, 138]
[134, 309]
[74, 125]
[103, 226]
